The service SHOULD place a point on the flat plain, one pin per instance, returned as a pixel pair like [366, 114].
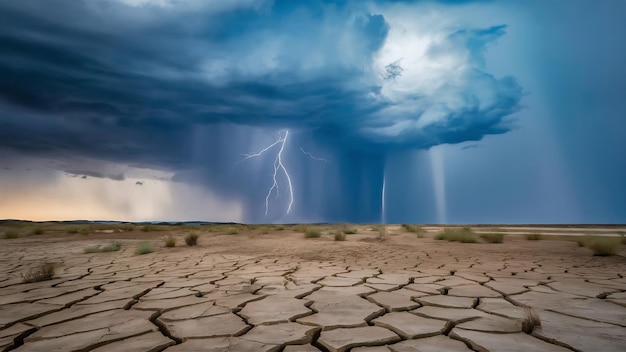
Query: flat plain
[297, 288]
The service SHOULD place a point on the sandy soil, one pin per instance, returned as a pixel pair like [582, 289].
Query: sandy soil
[263, 289]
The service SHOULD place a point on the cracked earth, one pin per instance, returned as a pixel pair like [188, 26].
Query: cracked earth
[281, 292]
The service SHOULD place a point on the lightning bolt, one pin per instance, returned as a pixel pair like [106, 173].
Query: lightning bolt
[312, 157]
[279, 167]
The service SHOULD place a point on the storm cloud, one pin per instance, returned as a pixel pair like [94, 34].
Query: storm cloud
[138, 70]
[191, 86]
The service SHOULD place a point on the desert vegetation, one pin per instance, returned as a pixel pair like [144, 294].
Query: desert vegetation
[191, 239]
[170, 241]
[340, 236]
[144, 247]
[110, 247]
[43, 272]
[312, 232]
[11, 234]
[534, 236]
[492, 237]
[602, 246]
[531, 321]
[456, 234]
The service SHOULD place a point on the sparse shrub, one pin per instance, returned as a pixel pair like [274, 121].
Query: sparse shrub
[534, 237]
[144, 248]
[233, 231]
[382, 231]
[72, 231]
[349, 231]
[603, 246]
[279, 227]
[148, 228]
[300, 228]
[43, 272]
[413, 228]
[530, 321]
[191, 239]
[170, 241]
[340, 236]
[623, 237]
[582, 241]
[111, 247]
[37, 231]
[85, 231]
[11, 234]
[492, 237]
[127, 227]
[463, 235]
[312, 233]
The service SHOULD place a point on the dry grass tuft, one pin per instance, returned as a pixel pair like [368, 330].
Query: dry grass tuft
[144, 247]
[11, 234]
[43, 272]
[37, 231]
[603, 246]
[170, 241]
[534, 236]
[463, 235]
[191, 239]
[493, 237]
[339, 236]
[531, 321]
[382, 231]
[312, 233]
[111, 247]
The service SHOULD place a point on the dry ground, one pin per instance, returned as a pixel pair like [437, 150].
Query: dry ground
[264, 288]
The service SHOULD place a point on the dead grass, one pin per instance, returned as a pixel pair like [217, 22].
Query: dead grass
[312, 233]
[144, 247]
[603, 246]
[191, 239]
[534, 236]
[11, 234]
[455, 234]
[382, 231]
[43, 272]
[37, 231]
[111, 247]
[531, 321]
[492, 237]
[339, 236]
[170, 241]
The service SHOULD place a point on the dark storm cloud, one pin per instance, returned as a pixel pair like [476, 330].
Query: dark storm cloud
[85, 173]
[109, 80]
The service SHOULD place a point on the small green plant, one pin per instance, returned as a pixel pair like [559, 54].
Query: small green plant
[279, 227]
[349, 231]
[144, 247]
[37, 231]
[492, 237]
[191, 239]
[531, 321]
[463, 235]
[534, 237]
[340, 236]
[170, 241]
[603, 246]
[110, 247]
[11, 234]
[233, 231]
[43, 272]
[312, 233]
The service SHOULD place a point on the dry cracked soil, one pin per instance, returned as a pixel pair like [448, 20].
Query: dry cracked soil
[276, 290]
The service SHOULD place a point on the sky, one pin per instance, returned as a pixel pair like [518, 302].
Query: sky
[261, 111]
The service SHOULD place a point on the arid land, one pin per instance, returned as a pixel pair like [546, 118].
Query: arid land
[282, 288]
